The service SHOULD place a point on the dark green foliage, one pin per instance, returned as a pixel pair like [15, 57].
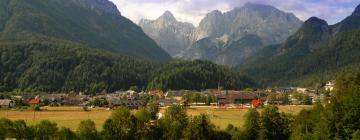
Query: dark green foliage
[19, 130]
[87, 131]
[337, 120]
[57, 66]
[153, 108]
[196, 75]
[199, 128]
[174, 122]
[274, 125]
[76, 21]
[121, 125]
[66, 134]
[60, 66]
[45, 130]
[252, 125]
[5, 126]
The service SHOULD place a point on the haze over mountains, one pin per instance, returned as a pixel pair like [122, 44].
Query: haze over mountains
[225, 38]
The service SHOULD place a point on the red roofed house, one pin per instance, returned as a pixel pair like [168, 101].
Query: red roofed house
[257, 103]
[160, 93]
[35, 101]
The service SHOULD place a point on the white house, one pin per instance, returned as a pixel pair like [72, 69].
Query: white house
[5, 103]
[330, 85]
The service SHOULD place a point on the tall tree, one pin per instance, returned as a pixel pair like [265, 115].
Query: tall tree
[199, 128]
[87, 131]
[274, 125]
[121, 125]
[174, 122]
[252, 124]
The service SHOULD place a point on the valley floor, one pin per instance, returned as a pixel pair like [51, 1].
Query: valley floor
[70, 117]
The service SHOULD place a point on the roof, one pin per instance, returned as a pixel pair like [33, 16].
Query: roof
[174, 93]
[117, 102]
[214, 91]
[34, 101]
[256, 103]
[239, 96]
[156, 92]
[5, 102]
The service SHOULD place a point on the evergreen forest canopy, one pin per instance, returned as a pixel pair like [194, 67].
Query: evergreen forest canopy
[61, 66]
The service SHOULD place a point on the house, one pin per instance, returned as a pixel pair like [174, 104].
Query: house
[6, 103]
[175, 94]
[284, 90]
[214, 92]
[73, 100]
[257, 103]
[330, 85]
[159, 93]
[244, 98]
[301, 90]
[167, 102]
[131, 104]
[35, 101]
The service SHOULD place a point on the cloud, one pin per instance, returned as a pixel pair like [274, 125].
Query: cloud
[194, 10]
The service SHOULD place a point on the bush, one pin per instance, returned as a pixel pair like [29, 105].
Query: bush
[87, 131]
[37, 108]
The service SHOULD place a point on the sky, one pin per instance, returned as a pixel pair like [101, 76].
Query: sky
[193, 11]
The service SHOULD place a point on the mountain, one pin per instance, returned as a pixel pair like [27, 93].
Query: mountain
[246, 29]
[92, 23]
[173, 36]
[267, 22]
[315, 53]
[61, 66]
[222, 50]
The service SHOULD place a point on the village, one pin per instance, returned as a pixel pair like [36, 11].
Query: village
[214, 98]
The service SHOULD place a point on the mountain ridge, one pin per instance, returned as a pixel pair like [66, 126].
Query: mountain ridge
[316, 52]
[232, 26]
[93, 23]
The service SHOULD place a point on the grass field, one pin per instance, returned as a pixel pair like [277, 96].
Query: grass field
[71, 116]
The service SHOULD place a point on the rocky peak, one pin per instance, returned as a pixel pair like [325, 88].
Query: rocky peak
[315, 22]
[214, 13]
[167, 16]
[357, 11]
[103, 5]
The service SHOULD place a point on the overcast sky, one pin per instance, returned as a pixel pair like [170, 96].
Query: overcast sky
[194, 10]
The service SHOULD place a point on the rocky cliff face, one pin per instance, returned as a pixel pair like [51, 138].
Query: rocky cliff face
[267, 22]
[171, 35]
[218, 33]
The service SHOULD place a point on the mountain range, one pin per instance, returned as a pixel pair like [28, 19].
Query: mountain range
[315, 53]
[88, 46]
[92, 23]
[225, 38]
